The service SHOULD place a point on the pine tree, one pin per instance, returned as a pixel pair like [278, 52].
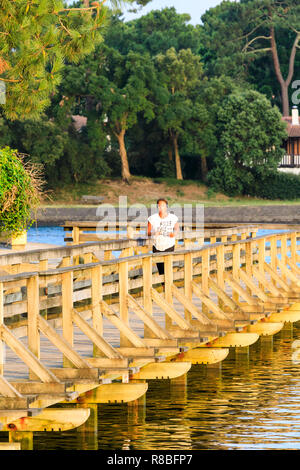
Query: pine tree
[37, 37]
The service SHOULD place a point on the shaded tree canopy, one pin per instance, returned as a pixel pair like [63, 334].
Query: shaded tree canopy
[155, 33]
[236, 35]
[152, 91]
[250, 134]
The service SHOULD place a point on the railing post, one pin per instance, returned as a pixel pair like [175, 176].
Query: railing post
[283, 251]
[188, 277]
[33, 311]
[107, 255]
[168, 261]
[205, 254]
[261, 258]
[147, 285]
[294, 247]
[88, 258]
[67, 307]
[76, 235]
[43, 264]
[96, 289]
[123, 292]
[186, 239]
[273, 254]
[236, 263]
[220, 270]
[2, 344]
[127, 252]
[248, 261]
[66, 261]
[249, 258]
[200, 241]
[261, 254]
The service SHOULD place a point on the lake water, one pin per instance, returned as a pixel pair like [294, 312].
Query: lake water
[51, 235]
[55, 235]
[250, 402]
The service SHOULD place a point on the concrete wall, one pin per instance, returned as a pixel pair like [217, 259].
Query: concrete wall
[242, 214]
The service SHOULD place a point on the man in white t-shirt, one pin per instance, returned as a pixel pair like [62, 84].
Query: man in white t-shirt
[164, 227]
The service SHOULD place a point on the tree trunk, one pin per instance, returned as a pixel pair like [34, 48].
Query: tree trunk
[285, 99]
[284, 84]
[177, 157]
[123, 154]
[203, 167]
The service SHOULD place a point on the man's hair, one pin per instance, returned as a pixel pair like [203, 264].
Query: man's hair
[161, 199]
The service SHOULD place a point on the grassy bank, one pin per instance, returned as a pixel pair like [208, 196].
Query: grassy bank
[146, 191]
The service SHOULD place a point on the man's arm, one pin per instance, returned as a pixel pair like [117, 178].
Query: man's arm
[175, 230]
[151, 231]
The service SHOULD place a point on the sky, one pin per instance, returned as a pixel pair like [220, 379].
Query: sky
[195, 8]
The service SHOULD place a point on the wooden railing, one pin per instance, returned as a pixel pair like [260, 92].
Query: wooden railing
[141, 324]
[207, 263]
[86, 251]
[81, 232]
[290, 161]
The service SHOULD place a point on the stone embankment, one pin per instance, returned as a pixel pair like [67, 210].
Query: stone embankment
[277, 214]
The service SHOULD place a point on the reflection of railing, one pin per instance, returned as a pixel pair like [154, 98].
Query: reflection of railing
[290, 161]
[141, 324]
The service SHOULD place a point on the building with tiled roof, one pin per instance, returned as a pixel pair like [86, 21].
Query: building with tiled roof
[291, 159]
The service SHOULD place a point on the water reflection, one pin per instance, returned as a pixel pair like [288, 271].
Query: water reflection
[251, 402]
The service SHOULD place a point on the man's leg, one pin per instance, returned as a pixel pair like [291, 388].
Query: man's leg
[161, 266]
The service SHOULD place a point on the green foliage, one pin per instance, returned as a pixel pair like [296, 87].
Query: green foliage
[155, 33]
[161, 30]
[118, 89]
[174, 182]
[156, 85]
[19, 192]
[83, 160]
[277, 185]
[179, 76]
[236, 41]
[165, 167]
[210, 193]
[36, 39]
[250, 134]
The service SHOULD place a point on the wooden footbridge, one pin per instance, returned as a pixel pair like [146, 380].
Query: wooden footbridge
[78, 327]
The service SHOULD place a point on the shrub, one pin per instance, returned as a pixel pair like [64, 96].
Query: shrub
[283, 186]
[250, 134]
[20, 191]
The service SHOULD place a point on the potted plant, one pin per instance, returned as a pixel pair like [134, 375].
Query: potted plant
[20, 194]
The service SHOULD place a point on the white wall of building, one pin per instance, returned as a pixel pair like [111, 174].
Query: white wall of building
[294, 171]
